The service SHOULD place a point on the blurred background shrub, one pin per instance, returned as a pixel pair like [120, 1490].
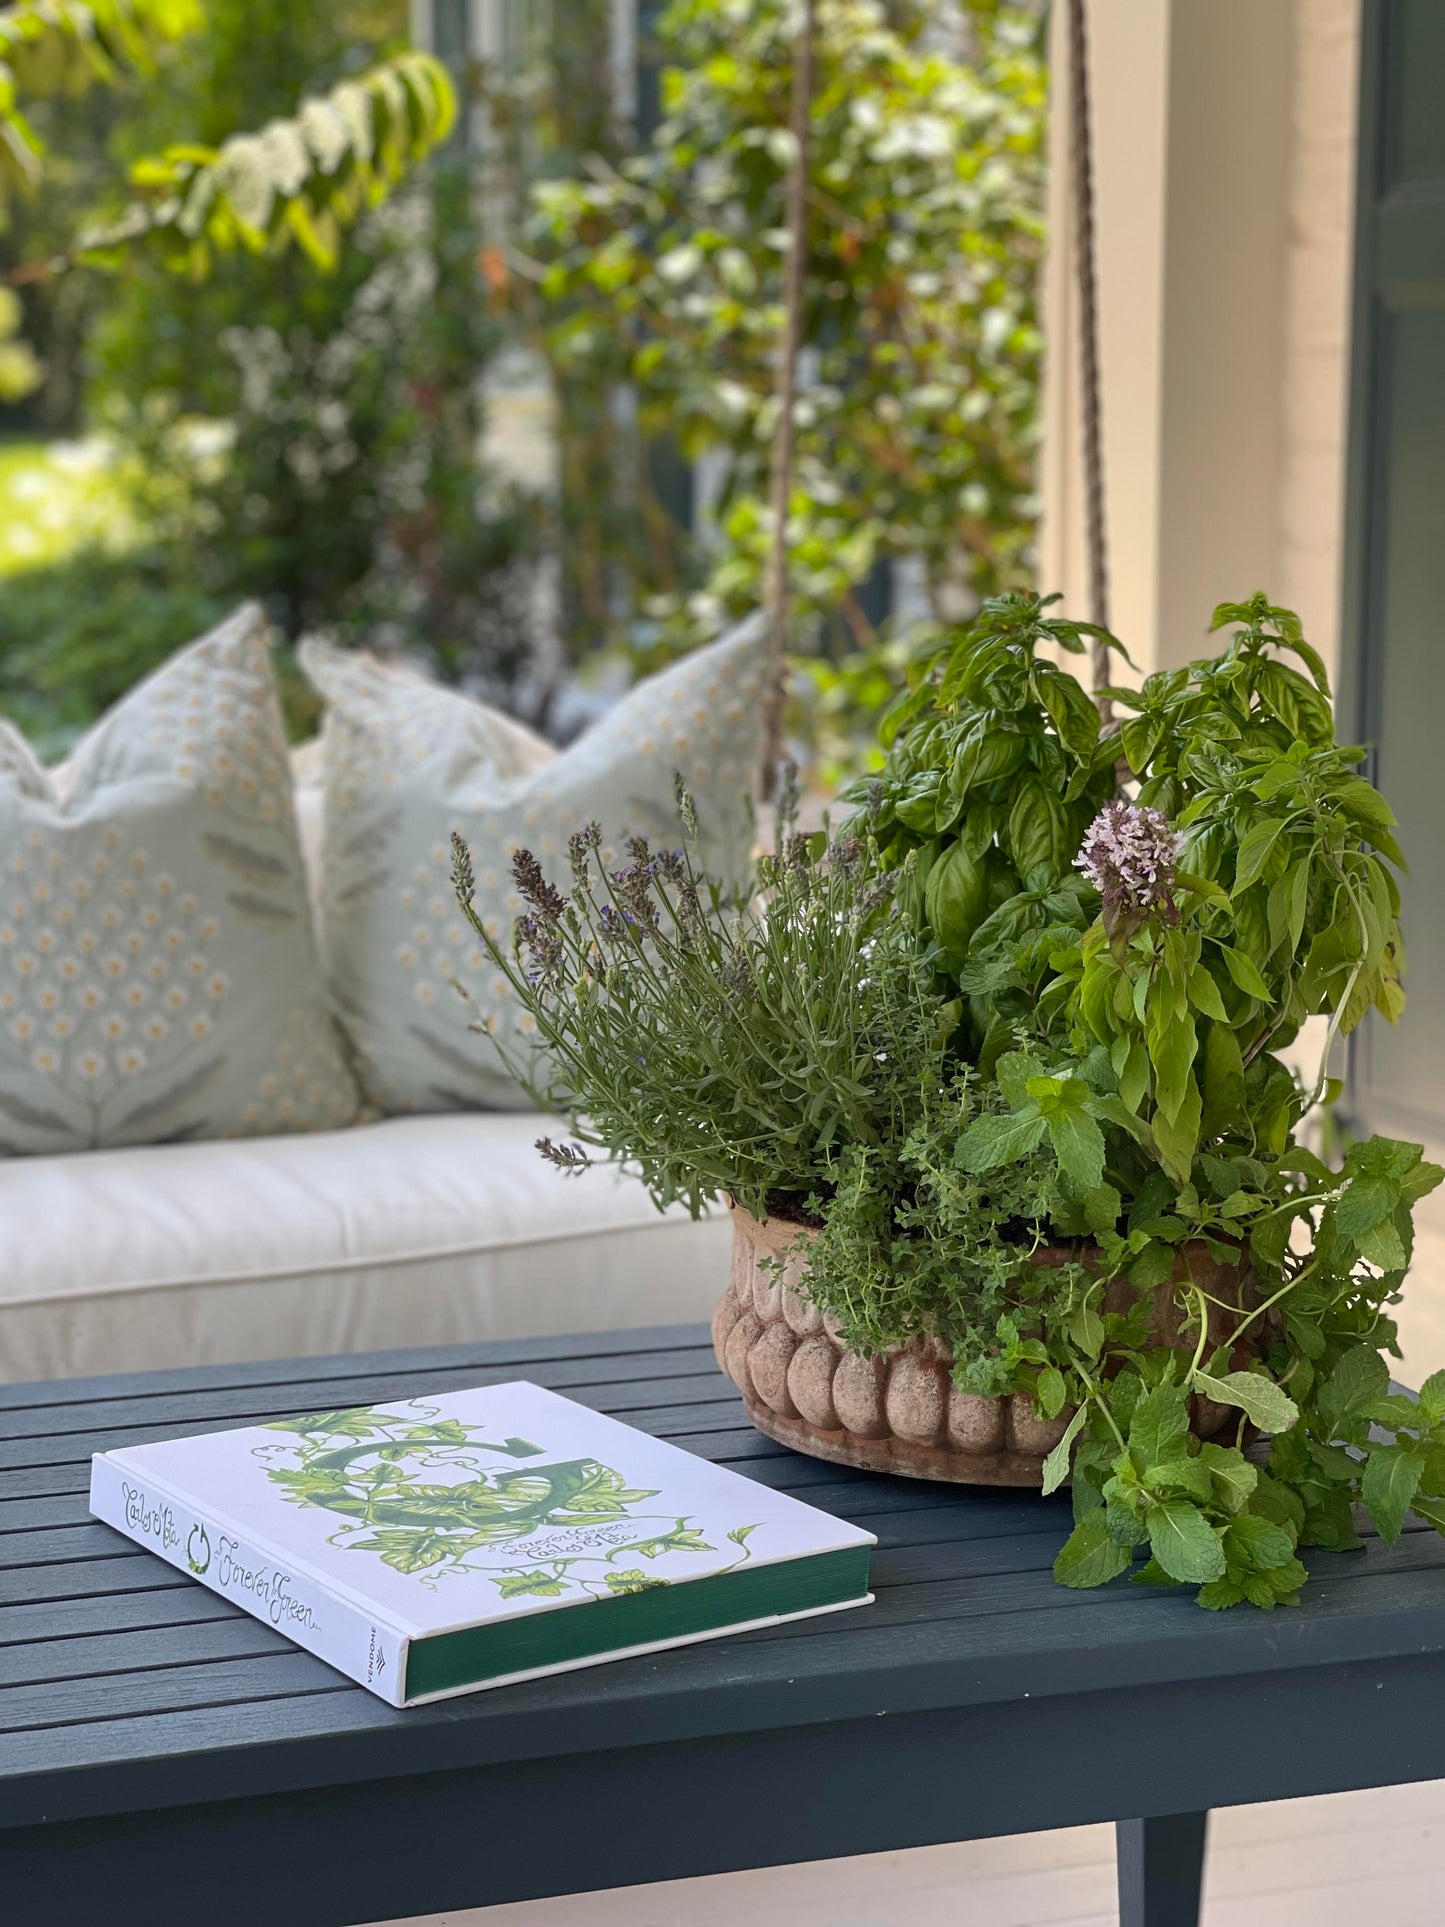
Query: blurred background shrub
[520, 429]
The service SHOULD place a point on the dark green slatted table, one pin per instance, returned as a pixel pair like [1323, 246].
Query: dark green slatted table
[166, 1759]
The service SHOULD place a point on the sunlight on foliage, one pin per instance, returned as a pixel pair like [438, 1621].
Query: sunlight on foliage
[305, 179]
[52, 47]
[56, 497]
[20, 369]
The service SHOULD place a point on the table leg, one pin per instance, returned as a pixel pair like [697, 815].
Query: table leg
[1161, 1869]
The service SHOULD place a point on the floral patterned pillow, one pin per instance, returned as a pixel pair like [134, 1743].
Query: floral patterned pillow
[159, 977]
[408, 762]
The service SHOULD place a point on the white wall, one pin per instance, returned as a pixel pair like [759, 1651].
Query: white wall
[1318, 271]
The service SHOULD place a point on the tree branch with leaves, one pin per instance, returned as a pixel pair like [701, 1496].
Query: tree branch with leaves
[304, 179]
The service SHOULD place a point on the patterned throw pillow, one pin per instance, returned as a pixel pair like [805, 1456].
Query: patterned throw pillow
[159, 977]
[407, 762]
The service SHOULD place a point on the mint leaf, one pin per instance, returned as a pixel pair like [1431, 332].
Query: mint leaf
[1420, 1181]
[1153, 1266]
[1184, 1543]
[1049, 1392]
[1093, 1461]
[1356, 1382]
[1382, 1246]
[1102, 1206]
[1189, 1476]
[1219, 1594]
[1329, 1522]
[1159, 1429]
[1089, 1557]
[1307, 1336]
[1269, 1238]
[1278, 1502]
[1277, 1587]
[1432, 1511]
[1056, 1465]
[1432, 1399]
[1253, 1544]
[1392, 1475]
[1335, 1462]
[991, 1141]
[1123, 1525]
[1086, 1328]
[1396, 1409]
[1362, 1205]
[1263, 1402]
[1233, 1477]
[1012, 1074]
[1079, 1146]
[1151, 1573]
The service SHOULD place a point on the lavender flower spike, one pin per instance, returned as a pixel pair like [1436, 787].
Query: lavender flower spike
[1129, 854]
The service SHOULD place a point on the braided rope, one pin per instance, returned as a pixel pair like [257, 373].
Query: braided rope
[1083, 167]
[781, 475]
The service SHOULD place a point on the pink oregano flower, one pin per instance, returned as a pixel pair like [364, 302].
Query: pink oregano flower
[1129, 854]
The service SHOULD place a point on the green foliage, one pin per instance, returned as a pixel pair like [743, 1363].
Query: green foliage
[1206, 1514]
[615, 519]
[347, 490]
[916, 423]
[307, 438]
[739, 1050]
[303, 179]
[1021, 1106]
[1213, 1517]
[75, 634]
[20, 371]
[52, 47]
[1286, 907]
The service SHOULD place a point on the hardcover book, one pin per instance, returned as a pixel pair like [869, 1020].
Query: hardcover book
[438, 1545]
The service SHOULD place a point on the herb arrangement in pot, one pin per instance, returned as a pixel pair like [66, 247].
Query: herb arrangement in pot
[995, 1081]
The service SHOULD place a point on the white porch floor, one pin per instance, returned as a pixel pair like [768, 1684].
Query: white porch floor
[1333, 1862]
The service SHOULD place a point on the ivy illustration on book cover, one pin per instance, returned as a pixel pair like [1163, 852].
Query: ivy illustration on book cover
[432, 1497]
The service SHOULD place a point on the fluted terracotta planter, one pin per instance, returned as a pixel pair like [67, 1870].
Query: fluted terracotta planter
[900, 1412]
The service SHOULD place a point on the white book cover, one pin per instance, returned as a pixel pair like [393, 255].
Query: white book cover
[359, 1532]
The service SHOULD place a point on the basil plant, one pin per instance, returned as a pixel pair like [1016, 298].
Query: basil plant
[1140, 920]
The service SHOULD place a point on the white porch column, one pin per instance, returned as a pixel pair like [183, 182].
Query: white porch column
[1223, 218]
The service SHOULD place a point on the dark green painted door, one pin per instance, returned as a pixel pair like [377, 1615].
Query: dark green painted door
[1396, 574]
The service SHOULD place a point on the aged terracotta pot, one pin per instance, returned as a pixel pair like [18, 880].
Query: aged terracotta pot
[900, 1412]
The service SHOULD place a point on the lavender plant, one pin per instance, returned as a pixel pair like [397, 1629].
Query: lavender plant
[716, 1044]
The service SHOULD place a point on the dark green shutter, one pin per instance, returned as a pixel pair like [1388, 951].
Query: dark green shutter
[1395, 564]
